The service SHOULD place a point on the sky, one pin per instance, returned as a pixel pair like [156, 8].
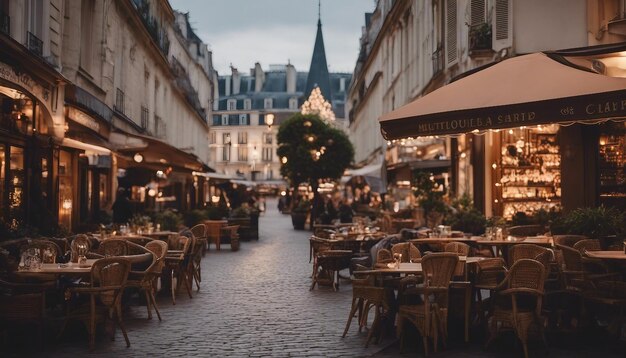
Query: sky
[242, 32]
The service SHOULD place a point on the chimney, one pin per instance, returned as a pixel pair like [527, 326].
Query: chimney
[259, 77]
[291, 78]
[236, 80]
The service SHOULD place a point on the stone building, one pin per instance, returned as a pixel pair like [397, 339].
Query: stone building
[119, 95]
[411, 48]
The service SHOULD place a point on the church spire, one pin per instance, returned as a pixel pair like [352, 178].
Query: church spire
[318, 71]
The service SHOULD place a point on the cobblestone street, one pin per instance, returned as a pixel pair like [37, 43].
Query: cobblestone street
[254, 302]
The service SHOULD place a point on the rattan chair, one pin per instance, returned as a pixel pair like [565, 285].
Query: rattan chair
[139, 240]
[231, 233]
[408, 251]
[518, 302]
[108, 279]
[46, 250]
[431, 316]
[567, 240]
[328, 265]
[195, 259]
[199, 232]
[526, 230]
[145, 280]
[113, 247]
[581, 273]
[316, 246]
[530, 251]
[176, 264]
[587, 245]
[460, 249]
[489, 273]
[214, 232]
[365, 296]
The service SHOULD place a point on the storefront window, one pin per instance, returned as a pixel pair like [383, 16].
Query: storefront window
[528, 175]
[612, 165]
[66, 194]
[17, 113]
[2, 176]
[15, 187]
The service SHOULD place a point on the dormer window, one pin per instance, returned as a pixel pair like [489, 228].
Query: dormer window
[268, 103]
[247, 104]
[231, 105]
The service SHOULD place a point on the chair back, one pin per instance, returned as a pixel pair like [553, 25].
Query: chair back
[199, 231]
[407, 250]
[438, 269]
[46, 250]
[138, 240]
[113, 247]
[529, 251]
[213, 228]
[159, 250]
[383, 256]
[587, 245]
[528, 274]
[79, 242]
[526, 230]
[318, 245]
[567, 240]
[457, 247]
[387, 224]
[572, 258]
[110, 273]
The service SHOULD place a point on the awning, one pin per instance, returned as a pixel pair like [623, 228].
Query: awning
[155, 151]
[88, 148]
[541, 88]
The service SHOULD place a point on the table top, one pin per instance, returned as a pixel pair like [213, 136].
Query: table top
[608, 255]
[535, 240]
[68, 268]
[416, 267]
[438, 240]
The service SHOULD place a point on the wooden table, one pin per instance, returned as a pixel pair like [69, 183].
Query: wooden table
[160, 235]
[69, 268]
[502, 245]
[607, 255]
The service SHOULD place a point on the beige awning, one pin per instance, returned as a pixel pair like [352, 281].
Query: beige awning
[539, 88]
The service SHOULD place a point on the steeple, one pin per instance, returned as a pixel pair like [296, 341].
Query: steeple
[318, 72]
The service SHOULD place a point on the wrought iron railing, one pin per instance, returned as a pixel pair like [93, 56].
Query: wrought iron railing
[34, 43]
[438, 60]
[119, 101]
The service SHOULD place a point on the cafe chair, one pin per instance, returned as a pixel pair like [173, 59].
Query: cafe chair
[587, 245]
[316, 246]
[199, 233]
[530, 251]
[430, 316]
[231, 233]
[567, 240]
[46, 250]
[176, 263]
[139, 240]
[108, 280]
[489, 273]
[113, 247]
[608, 302]
[328, 265]
[407, 250]
[214, 232]
[365, 296]
[146, 280]
[195, 258]
[581, 273]
[517, 302]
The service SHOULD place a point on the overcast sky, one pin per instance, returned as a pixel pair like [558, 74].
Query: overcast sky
[243, 32]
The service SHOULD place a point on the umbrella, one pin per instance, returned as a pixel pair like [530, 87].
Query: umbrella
[539, 88]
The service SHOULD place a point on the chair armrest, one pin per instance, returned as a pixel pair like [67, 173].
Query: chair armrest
[94, 289]
[530, 291]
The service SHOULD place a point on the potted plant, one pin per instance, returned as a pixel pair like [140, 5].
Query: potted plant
[169, 220]
[300, 213]
[466, 217]
[429, 199]
[601, 223]
[248, 220]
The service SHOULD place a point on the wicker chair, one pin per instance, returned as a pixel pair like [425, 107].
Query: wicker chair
[587, 245]
[145, 280]
[408, 251]
[365, 296]
[567, 240]
[529, 251]
[460, 249]
[214, 232]
[231, 233]
[199, 232]
[431, 316]
[195, 258]
[526, 230]
[79, 241]
[581, 273]
[46, 250]
[138, 240]
[113, 247]
[316, 246]
[108, 279]
[328, 265]
[489, 273]
[176, 264]
[518, 301]
[610, 295]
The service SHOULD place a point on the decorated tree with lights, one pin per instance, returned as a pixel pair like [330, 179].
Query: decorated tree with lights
[311, 151]
[317, 104]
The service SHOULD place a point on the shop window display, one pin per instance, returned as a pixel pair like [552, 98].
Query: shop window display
[529, 178]
[612, 165]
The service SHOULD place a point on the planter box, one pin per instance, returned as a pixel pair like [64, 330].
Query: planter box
[298, 219]
[248, 227]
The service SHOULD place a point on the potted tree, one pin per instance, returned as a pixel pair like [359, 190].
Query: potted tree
[600, 223]
[312, 150]
[300, 213]
[247, 218]
[466, 217]
[429, 199]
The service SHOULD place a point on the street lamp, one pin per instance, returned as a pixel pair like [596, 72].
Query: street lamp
[269, 120]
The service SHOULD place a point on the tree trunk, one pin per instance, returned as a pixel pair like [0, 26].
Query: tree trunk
[315, 206]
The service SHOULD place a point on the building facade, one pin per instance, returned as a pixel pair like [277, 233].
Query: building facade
[115, 92]
[411, 48]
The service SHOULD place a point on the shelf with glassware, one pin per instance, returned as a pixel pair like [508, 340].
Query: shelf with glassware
[530, 171]
[612, 164]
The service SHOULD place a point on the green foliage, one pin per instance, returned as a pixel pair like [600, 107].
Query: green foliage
[304, 206]
[195, 217]
[140, 220]
[596, 222]
[217, 212]
[300, 138]
[465, 217]
[496, 221]
[169, 220]
[428, 198]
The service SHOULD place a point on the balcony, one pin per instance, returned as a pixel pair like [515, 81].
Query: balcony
[158, 33]
[184, 84]
[34, 44]
[438, 60]
[479, 38]
[5, 23]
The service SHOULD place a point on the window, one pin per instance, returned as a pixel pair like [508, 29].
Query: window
[159, 127]
[212, 138]
[87, 9]
[224, 119]
[270, 174]
[242, 138]
[502, 19]
[267, 138]
[267, 154]
[226, 153]
[119, 101]
[242, 154]
[226, 138]
[144, 117]
[268, 103]
[247, 104]
[451, 31]
[243, 119]
[231, 105]
[293, 103]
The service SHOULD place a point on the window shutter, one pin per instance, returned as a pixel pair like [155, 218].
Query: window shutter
[477, 12]
[451, 30]
[502, 19]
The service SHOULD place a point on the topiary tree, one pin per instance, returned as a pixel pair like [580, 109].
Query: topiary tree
[310, 150]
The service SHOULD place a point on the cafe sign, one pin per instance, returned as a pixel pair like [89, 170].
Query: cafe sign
[606, 105]
[82, 118]
[26, 82]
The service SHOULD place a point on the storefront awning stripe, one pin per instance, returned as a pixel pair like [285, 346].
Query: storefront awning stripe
[72, 143]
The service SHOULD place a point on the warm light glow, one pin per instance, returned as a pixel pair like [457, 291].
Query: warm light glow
[283, 193]
[215, 199]
[283, 160]
[510, 131]
[67, 204]
[269, 120]
[494, 165]
[463, 155]
[310, 139]
[138, 158]
[316, 104]
[152, 192]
